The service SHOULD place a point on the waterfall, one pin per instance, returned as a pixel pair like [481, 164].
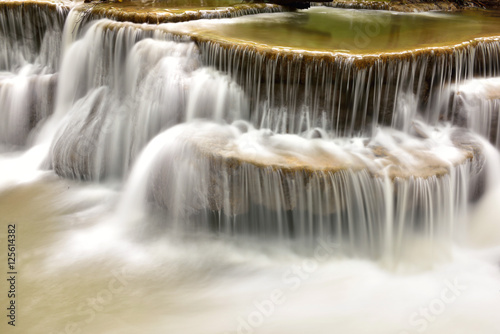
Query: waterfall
[277, 172]
[29, 60]
[30, 35]
[155, 14]
[238, 139]
[368, 195]
[476, 105]
[294, 93]
[133, 84]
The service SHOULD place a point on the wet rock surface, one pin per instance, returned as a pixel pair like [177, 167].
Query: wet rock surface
[413, 5]
[177, 11]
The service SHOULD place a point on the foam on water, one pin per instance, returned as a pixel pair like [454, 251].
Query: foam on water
[476, 104]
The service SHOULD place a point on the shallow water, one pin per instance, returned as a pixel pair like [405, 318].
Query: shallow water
[353, 31]
[79, 267]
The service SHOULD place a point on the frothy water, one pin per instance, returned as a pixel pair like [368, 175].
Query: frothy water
[155, 190]
[369, 195]
[476, 104]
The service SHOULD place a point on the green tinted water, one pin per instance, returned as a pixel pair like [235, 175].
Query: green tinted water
[354, 31]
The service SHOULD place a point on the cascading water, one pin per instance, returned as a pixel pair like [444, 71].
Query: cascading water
[155, 12]
[243, 181]
[223, 168]
[124, 101]
[29, 57]
[476, 104]
[294, 89]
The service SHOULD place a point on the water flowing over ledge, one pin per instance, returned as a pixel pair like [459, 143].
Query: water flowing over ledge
[152, 13]
[374, 193]
[155, 178]
[137, 81]
[347, 91]
[135, 13]
[30, 39]
[30, 33]
[109, 121]
[476, 104]
[292, 90]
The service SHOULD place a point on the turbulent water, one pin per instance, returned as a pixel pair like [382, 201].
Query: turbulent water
[156, 187]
